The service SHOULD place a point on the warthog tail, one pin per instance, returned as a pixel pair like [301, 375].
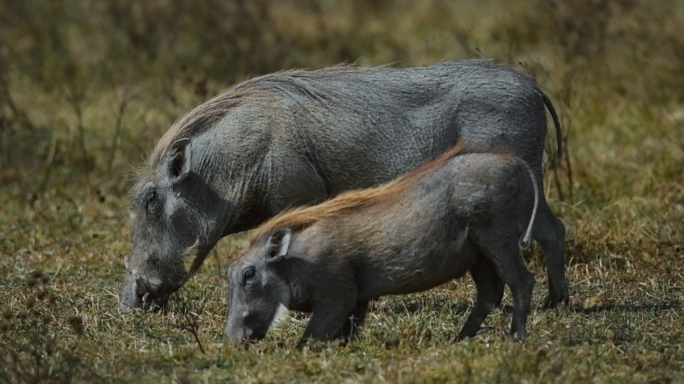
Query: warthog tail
[526, 239]
[556, 122]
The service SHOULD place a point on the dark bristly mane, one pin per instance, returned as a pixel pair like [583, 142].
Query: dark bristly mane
[202, 117]
[287, 82]
[291, 83]
[300, 218]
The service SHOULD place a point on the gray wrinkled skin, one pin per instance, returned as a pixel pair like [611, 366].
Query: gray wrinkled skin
[468, 215]
[301, 137]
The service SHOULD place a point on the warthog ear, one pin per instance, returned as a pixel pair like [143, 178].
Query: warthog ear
[279, 243]
[179, 158]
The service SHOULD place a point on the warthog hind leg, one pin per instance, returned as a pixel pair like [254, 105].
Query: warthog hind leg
[549, 231]
[502, 251]
[490, 290]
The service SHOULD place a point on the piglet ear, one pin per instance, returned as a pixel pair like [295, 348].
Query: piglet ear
[179, 158]
[279, 243]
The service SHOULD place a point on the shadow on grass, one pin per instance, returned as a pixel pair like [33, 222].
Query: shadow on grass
[460, 307]
[622, 307]
[436, 304]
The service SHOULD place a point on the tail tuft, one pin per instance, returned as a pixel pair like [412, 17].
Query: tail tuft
[526, 240]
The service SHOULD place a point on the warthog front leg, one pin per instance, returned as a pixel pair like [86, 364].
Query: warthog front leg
[352, 324]
[326, 322]
[490, 289]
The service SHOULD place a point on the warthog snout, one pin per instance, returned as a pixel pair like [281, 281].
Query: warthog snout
[144, 283]
[238, 328]
[243, 333]
[140, 290]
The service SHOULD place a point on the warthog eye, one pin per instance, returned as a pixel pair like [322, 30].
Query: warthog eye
[248, 275]
[152, 203]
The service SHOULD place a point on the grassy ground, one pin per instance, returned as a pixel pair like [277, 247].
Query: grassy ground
[84, 99]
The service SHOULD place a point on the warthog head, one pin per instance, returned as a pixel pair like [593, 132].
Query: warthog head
[256, 288]
[172, 233]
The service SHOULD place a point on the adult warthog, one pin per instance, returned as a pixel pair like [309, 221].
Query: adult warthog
[461, 212]
[300, 137]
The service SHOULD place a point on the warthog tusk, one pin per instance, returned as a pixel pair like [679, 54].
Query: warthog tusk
[142, 289]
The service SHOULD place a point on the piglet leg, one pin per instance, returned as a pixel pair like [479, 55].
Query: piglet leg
[352, 324]
[326, 322]
[490, 289]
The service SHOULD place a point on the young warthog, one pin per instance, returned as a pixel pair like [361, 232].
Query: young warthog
[301, 137]
[463, 211]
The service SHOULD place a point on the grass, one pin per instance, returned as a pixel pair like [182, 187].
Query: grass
[78, 110]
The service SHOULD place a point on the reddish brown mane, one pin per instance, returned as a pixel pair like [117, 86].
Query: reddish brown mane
[299, 218]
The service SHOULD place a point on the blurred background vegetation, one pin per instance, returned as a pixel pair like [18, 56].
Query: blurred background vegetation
[88, 86]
